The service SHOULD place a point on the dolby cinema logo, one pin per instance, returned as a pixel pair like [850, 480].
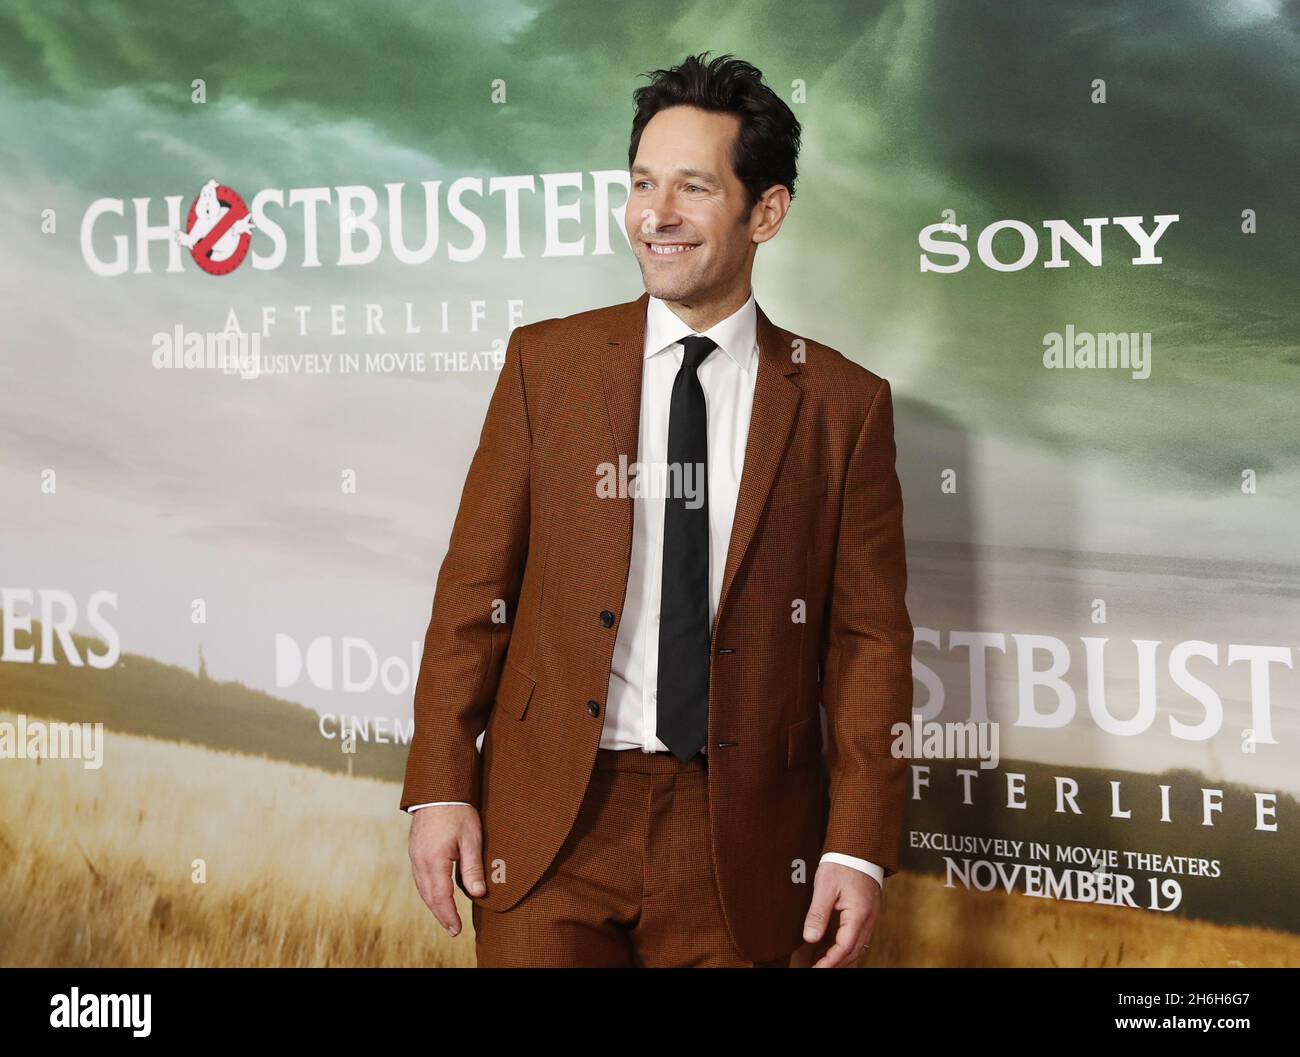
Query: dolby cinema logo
[346, 664]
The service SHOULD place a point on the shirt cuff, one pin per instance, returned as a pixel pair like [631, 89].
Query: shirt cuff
[438, 803]
[868, 868]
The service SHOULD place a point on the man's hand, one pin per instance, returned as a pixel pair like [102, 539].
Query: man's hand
[442, 836]
[856, 896]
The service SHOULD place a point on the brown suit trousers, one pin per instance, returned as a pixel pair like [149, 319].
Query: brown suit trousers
[632, 887]
[812, 613]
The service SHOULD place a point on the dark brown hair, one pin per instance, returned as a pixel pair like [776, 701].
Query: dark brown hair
[766, 150]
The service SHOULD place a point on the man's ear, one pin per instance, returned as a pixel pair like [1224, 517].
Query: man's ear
[769, 212]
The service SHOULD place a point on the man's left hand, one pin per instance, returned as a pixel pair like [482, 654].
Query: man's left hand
[856, 896]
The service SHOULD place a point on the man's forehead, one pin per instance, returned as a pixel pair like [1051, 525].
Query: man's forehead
[692, 124]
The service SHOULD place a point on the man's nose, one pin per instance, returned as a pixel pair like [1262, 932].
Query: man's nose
[663, 204]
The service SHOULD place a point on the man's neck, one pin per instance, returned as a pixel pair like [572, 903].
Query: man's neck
[703, 314]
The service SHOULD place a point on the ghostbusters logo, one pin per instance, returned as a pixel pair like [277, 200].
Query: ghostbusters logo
[217, 230]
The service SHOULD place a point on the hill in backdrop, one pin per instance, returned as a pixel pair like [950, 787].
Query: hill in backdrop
[140, 695]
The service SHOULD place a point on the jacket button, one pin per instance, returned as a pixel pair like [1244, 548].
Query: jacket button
[593, 709]
[606, 618]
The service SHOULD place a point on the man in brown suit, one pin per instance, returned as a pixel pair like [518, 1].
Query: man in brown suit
[646, 665]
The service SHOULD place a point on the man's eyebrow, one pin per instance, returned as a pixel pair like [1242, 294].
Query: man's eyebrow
[695, 174]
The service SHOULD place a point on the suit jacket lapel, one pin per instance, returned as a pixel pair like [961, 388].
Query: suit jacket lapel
[620, 372]
[776, 404]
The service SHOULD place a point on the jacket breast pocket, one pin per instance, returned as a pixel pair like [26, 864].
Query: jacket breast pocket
[804, 742]
[514, 691]
[786, 493]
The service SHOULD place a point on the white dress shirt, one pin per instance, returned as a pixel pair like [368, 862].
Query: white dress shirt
[727, 375]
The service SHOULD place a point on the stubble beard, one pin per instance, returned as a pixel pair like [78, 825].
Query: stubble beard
[677, 288]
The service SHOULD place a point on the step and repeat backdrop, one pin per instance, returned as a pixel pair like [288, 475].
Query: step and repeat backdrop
[260, 263]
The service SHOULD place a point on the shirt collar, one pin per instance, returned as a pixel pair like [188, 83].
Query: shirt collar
[737, 335]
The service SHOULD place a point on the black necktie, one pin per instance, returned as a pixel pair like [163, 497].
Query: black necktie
[682, 704]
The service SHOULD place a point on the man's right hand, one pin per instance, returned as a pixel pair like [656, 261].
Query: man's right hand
[441, 837]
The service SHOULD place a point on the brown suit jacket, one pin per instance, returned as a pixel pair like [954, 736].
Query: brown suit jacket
[819, 519]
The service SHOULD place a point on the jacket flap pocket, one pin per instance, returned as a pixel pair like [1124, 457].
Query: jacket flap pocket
[514, 691]
[787, 492]
[804, 742]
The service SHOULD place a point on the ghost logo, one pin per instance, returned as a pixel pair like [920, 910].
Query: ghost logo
[217, 231]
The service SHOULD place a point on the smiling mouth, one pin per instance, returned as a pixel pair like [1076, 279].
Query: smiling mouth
[670, 249]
